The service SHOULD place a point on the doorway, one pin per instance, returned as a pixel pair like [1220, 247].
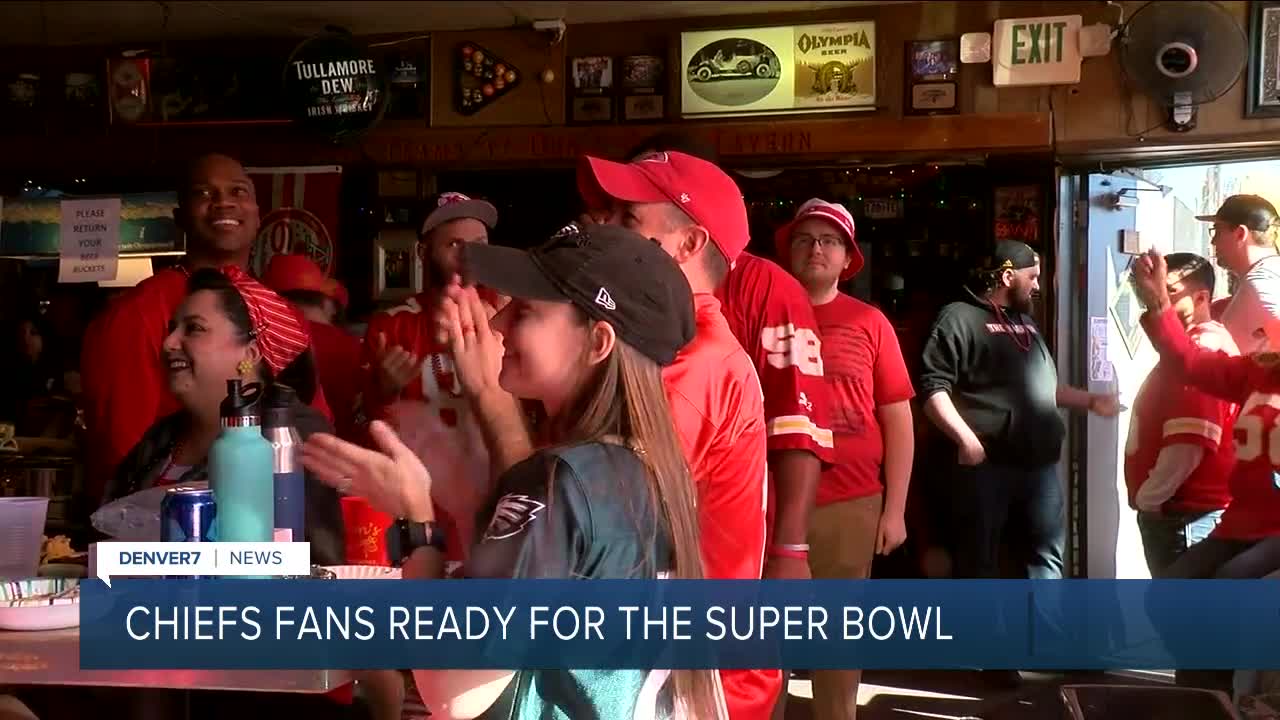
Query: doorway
[1114, 217]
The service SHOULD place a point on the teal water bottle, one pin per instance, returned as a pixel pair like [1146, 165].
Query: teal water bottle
[240, 469]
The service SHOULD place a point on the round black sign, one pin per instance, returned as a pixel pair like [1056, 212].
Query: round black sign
[334, 86]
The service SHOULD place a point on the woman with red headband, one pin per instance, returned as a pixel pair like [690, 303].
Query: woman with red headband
[229, 325]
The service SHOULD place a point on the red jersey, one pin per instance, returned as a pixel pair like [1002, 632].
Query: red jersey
[410, 326]
[338, 357]
[1254, 383]
[864, 369]
[769, 312]
[718, 410]
[1168, 412]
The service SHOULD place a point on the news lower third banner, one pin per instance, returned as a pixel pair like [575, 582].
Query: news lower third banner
[222, 623]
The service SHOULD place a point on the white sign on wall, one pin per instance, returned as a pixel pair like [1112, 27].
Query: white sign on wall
[89, 240]
[1036, 51]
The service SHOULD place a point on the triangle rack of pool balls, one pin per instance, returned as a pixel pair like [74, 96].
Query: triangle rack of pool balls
[482, 78]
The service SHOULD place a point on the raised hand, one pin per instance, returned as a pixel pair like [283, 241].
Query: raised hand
[395, 366]
[1150, 280]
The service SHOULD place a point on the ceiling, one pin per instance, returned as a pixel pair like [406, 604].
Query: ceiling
[106, 22]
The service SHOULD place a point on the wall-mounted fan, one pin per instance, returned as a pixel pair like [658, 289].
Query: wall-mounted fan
[1183, 54]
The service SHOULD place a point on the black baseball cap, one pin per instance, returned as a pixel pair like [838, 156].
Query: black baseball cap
[1010, 255]
[1251, 211]
[609, 272]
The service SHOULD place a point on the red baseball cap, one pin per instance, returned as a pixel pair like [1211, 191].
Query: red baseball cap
[703, 191]
[298, 272]
[835, 214]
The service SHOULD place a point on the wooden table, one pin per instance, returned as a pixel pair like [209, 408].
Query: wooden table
[52, 657]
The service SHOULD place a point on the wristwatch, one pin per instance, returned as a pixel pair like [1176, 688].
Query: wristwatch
[404, 536]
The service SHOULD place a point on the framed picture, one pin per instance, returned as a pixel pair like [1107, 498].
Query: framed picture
[397, 267]
[643, 108]
[642, 73]
[591, 75]
[932, 68]
[772, 70]
[1262, 95]
[591, 109]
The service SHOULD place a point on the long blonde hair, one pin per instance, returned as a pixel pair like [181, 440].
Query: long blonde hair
[625, 399]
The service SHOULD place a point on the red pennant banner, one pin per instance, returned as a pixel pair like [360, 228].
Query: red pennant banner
[299, 207]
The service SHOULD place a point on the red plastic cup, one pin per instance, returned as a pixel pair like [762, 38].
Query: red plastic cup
[366, 532]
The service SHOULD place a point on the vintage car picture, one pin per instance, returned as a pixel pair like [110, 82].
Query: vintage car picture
[734, 71]
[786, 69]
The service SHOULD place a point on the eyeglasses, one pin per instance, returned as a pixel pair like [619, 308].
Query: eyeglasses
[827, 242]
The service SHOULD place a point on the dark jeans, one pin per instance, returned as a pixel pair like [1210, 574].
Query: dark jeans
[988, 499]
[1165, 537]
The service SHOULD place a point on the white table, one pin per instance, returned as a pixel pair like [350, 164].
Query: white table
[52, 657]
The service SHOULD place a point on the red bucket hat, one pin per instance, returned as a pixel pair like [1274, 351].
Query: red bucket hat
[835, 214]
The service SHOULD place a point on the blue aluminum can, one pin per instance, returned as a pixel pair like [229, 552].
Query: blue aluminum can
[187, 514]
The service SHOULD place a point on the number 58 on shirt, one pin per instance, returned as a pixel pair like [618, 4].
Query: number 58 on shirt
[790, 346]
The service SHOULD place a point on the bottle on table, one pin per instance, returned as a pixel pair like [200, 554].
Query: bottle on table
[241, 469]
[289, 485]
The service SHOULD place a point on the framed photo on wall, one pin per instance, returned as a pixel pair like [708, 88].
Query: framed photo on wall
[593, 89]
[397, 267]
[1262, 95]
[932, 67]
[642, 84]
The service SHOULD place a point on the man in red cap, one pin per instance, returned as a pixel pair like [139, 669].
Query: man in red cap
[858, 515]
[695, 211]
[124, 385]
[406, 360]
[338, 354]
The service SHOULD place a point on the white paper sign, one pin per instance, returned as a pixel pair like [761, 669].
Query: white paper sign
[1100, 369]
[89, 240]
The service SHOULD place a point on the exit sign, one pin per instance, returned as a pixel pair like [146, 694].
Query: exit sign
[1036, 51]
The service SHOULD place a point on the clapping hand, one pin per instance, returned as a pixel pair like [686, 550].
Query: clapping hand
[1150, 280]
[391, 478]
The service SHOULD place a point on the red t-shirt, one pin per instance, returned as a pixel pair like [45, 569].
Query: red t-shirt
[769, 312]
[716, 404]
[864, 369]
[1254, 383]
[338, 357]
[1168, 412]
[123, 380]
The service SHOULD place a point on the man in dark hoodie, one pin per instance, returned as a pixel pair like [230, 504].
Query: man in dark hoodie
[992, 388]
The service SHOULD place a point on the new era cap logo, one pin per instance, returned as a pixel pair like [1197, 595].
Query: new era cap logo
[605, 300]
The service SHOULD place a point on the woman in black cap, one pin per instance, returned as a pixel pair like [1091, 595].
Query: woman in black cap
[596, 312]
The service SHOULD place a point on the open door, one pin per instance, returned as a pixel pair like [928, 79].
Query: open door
[1117, 216]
